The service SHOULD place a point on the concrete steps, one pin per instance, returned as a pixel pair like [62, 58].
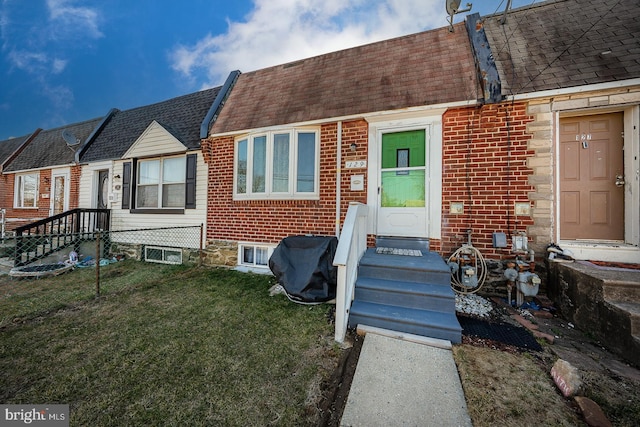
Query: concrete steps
[603, 301]
[404, 293]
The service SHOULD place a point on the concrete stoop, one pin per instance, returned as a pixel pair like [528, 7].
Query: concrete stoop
[603, 301]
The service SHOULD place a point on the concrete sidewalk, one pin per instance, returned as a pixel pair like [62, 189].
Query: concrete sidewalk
[403, 383]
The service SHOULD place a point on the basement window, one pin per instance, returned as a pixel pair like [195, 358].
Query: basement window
[163, 255]
[254, 255]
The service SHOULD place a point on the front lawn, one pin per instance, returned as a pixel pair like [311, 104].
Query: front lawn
[164, 345]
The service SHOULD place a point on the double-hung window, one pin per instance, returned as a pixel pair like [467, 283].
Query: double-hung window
[161, 183]
[26, 190]
[277, 165]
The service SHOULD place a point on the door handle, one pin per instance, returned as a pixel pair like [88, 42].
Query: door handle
[620, 181]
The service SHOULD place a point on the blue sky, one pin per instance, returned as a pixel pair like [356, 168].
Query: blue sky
[66, 61]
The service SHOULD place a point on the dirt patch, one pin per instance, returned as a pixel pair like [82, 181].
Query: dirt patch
[336, 388]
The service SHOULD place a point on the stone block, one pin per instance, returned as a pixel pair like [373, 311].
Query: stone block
[625, 98]
[592, 413]
[566, 377]
[571, 104]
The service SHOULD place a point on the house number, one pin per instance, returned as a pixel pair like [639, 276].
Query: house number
[353, 164]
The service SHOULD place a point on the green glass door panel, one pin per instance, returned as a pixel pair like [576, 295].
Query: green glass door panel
[403, 189]
[409, 145]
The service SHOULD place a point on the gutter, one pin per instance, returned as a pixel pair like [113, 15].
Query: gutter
[218, 103]
[93, 134]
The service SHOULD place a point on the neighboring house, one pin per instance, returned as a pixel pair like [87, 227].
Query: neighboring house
[42, 178]
[296, 143]
[8, 150]
[147, 167]
[575, 69]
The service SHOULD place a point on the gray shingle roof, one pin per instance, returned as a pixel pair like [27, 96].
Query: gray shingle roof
[49, 149]
[9, 146]
[566, 43]
[427, 68]
[181, 116]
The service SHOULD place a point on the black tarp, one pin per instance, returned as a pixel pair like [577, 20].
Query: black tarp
[303, 265]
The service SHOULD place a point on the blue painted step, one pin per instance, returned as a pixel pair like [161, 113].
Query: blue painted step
[428, 268]
[403, 293]
[427, 323]
[423, 296]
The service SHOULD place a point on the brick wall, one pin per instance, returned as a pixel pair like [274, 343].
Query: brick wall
[17, 217]
[74, 186]
[485, 151]
[268, 221]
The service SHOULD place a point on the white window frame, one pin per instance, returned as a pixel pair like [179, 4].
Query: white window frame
[18, 194]
[255, 246]
[269, 194]
[160, 183]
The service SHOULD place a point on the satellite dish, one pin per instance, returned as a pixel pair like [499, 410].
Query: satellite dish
[453, 8]
[70, 138]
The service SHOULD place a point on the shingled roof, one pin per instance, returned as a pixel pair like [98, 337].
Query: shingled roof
[565, 43]
[427, 68]
[49, 149]
[181, 116]
[9, 146]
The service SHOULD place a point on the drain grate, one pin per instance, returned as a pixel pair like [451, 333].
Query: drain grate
[398, 251]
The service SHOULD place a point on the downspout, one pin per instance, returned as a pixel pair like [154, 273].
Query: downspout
[222, 96]
[338, 177]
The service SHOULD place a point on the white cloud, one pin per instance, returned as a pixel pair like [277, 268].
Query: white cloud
[280, 31]
[72, 21]
[59, 65]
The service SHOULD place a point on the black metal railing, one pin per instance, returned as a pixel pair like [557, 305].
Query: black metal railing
[41, 238]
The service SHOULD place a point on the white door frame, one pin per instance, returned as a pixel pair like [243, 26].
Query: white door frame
[433, 141]
[66, 173]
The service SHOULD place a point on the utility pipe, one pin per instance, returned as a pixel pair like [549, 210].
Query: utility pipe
[338, 177]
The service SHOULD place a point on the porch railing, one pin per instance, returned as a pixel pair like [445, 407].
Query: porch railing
[41, 238]
[351, 247]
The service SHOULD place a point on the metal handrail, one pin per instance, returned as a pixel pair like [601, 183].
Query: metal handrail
[351, 247]
[58, 231]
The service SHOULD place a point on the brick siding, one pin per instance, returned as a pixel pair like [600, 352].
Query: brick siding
[269, 221]
[485, 167]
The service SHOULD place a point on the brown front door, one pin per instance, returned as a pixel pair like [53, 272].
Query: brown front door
[591, 177]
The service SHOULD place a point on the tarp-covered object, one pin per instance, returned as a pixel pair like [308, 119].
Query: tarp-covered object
[303, 265]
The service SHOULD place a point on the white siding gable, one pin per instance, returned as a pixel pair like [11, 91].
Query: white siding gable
[154, 141]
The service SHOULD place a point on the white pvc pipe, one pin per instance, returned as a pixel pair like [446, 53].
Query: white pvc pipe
[338, 177]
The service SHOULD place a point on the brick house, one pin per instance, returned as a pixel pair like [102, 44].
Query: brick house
[41, 179]
[8, 150]
[494, 165]
[296, 143]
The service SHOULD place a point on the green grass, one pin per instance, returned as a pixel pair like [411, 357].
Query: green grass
[164, 346]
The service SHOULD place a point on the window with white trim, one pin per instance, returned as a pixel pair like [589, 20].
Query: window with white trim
[26, 190]
[161, 183]
[277, 165]
[254, 255]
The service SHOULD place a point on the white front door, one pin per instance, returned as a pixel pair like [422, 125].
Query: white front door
[59, 192]
[403, 184]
